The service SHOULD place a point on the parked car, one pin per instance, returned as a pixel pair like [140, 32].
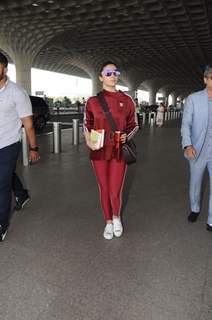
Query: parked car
[40, 111]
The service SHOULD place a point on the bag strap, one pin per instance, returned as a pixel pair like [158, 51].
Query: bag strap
[106, 110]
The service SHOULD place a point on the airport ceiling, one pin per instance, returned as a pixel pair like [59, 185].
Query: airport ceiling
[165, 42]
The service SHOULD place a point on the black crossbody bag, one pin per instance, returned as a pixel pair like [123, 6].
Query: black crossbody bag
[128, 148]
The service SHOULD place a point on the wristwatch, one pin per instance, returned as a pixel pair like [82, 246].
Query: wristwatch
[34, 149]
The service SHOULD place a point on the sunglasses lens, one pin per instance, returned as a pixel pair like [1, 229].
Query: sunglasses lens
[108, 73]
[116, 73]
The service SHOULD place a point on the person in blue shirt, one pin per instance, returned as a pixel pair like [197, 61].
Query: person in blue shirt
[196, 134]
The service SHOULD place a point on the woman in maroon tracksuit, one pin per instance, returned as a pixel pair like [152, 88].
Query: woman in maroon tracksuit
[108, 163]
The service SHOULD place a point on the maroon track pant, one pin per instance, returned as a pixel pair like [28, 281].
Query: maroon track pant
[110, 176]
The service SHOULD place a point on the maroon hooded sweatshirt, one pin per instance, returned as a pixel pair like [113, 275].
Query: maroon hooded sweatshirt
[122, 109]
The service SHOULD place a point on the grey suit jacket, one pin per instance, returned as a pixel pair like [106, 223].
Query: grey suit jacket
[195, 120]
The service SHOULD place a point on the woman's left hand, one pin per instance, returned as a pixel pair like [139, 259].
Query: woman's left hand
[123, 138]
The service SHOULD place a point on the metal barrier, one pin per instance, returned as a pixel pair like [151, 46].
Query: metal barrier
[152, 118]
[57, 141]
[25, 150]
[75, 132]
[149, 117]
[167, 118]
[143, 118]
[57, 137]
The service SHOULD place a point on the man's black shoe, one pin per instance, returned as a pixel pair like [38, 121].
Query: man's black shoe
[3, 232]
[208, 227]
[20, 202]
[192, 217]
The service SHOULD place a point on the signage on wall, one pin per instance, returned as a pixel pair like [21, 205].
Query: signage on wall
[161, 98]
[39, 93]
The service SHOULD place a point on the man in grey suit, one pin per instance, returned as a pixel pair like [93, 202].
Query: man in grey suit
[196, 134]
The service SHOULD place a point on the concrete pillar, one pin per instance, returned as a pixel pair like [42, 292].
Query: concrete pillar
[132, 93]
[174, 99]
[96, 85]
[23, 62]
[166, 100]
[165, 94]
[132, 79]
[23, 74]
[152, 96]
[133, 87]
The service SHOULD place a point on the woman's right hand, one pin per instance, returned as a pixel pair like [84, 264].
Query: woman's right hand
[89, 142]
[91, 145]
[190, 153]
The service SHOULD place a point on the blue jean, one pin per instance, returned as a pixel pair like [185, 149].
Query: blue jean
[197, 169]
[8, 159]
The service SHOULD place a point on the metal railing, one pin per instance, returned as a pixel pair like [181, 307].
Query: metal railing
[57, 130]
[57, 138]
[149, 118]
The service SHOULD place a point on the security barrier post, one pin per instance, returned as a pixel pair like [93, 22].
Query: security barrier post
[25, 151]
[56, 137]
[75, 132]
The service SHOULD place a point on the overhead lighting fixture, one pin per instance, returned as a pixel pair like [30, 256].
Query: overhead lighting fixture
[35, 4]
[51, 1]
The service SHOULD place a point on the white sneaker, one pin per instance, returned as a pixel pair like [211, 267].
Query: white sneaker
[108, 232]
[117, 226]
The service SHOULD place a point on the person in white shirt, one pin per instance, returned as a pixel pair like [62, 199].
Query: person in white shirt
[160, 115]
[15, 111]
